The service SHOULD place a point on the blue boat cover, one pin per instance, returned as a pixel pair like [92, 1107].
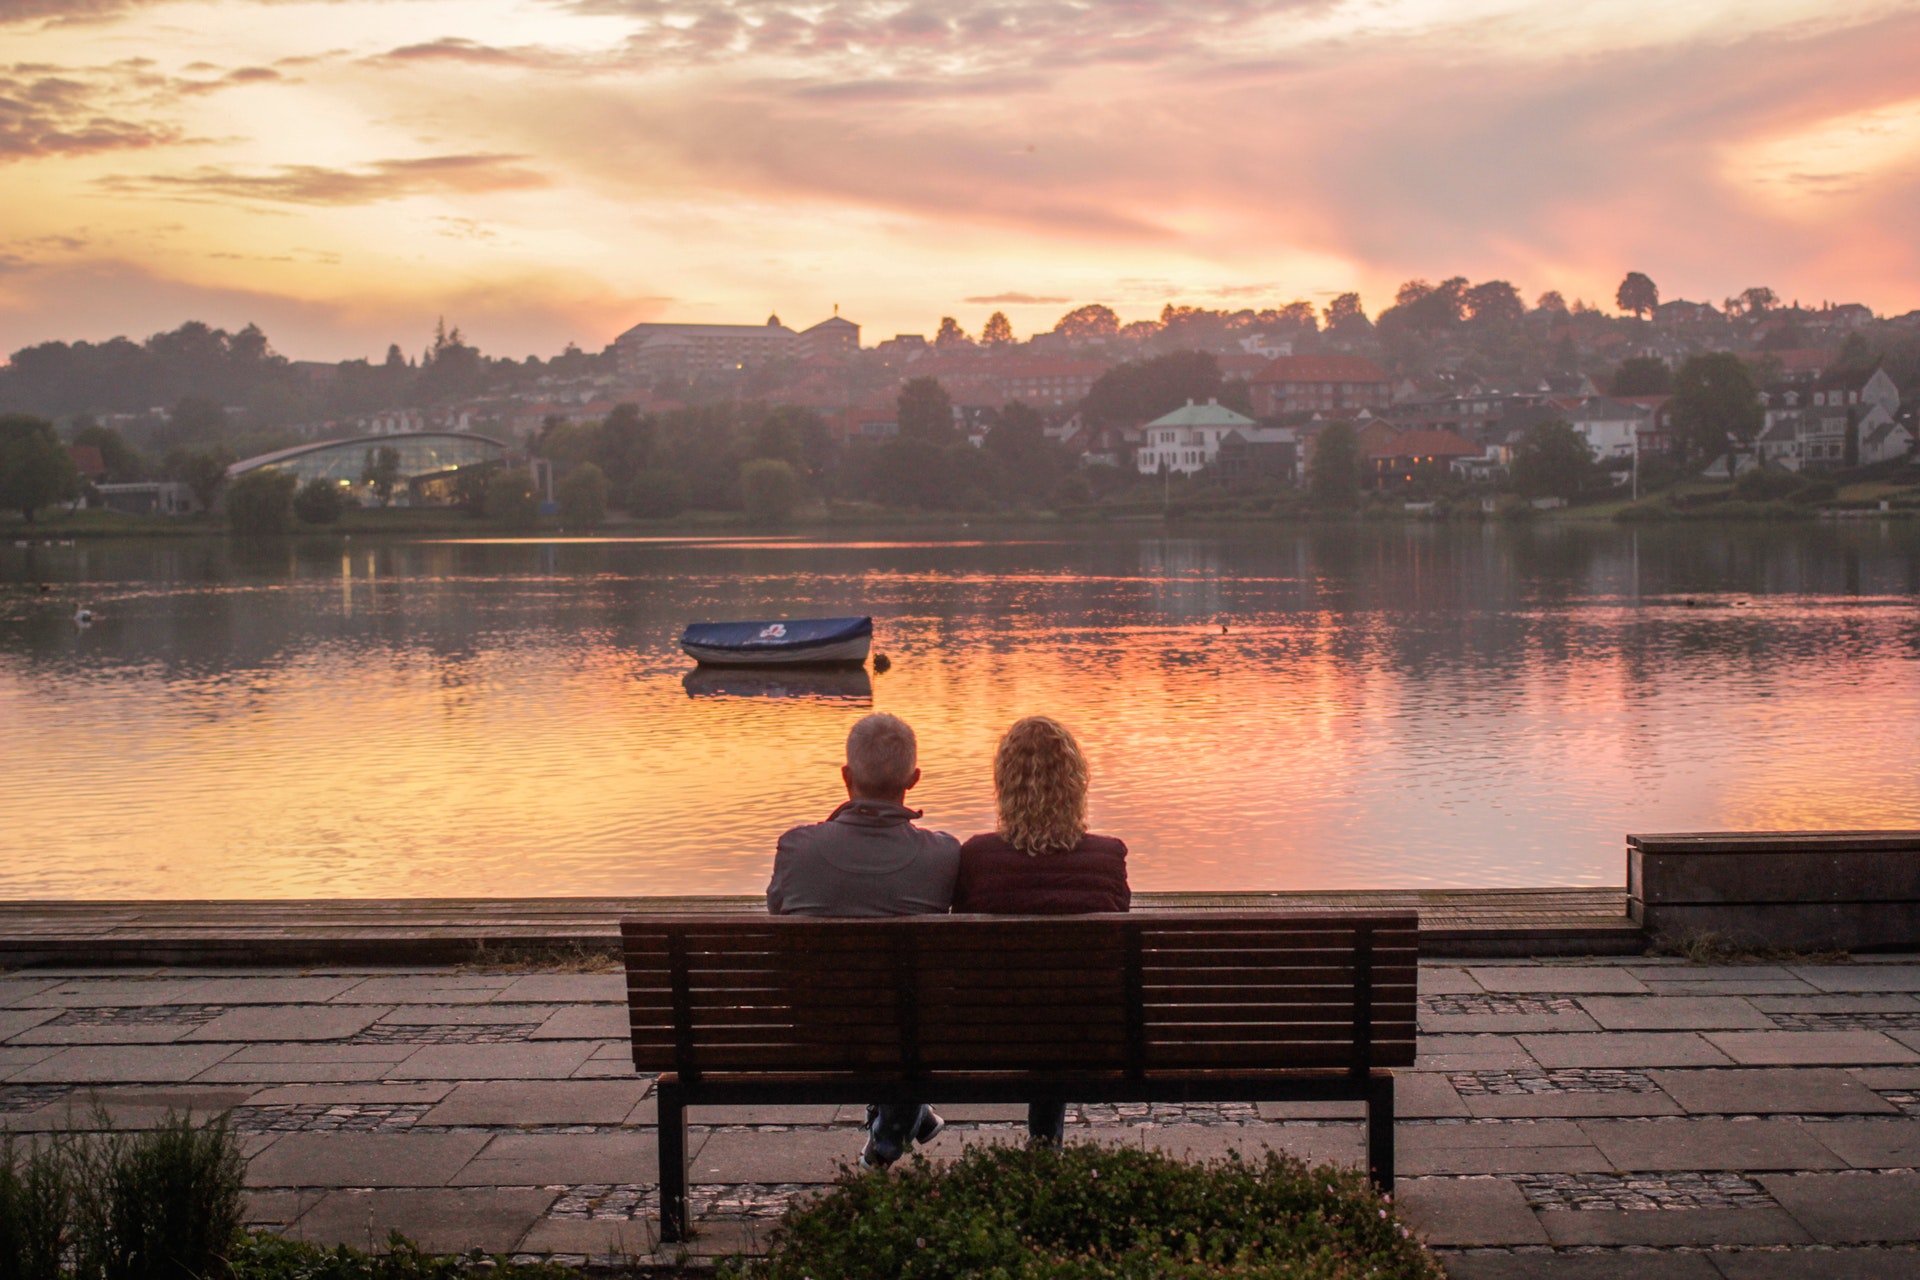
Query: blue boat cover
[774, 637]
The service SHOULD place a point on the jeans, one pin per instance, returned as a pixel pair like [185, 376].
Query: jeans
[1047, 1120]
[892, 1125]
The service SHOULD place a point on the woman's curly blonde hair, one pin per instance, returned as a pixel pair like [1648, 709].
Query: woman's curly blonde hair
[1040, 784]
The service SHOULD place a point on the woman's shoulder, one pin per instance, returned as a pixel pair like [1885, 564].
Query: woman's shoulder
[1112, 846]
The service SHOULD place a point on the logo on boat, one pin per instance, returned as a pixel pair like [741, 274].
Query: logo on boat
[773, 631]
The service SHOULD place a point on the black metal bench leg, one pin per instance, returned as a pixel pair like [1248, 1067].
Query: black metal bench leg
[1380, 1133]
[673, 1159]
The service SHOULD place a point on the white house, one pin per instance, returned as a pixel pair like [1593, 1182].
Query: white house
[1611, 429]
[1188, 439]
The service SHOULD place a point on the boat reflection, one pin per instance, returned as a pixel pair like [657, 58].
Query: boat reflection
[827, 684]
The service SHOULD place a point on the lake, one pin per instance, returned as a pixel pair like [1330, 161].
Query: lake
[1387, 706]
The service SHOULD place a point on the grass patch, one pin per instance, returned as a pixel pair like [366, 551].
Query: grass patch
[1712, 948]
[561, 957]
[1085, 1211]
[267, 1257]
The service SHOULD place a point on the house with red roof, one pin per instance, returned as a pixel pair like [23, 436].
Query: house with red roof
[1337, 385]
[1406, 455]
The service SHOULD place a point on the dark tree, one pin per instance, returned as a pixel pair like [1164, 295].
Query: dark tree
[1344, 315]
[1333, 470]
[319, 502]
[951, 335]
[582, 497]
[260, 503]
[1493, 303]
[35, 468]
[1642, 376]
[1551, 302]
[194, 420]
[512, 501]
[1142, 390]
[204, 471]
[1715, 401]
[626, 445]
[925, 412]
[382, 471]
[1637, 295]
[1552, 461]
[1090, 321]
[1030, 464]
[998, 331]
[770, 490]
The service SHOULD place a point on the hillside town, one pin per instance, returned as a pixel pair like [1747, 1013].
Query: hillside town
[1455, 389]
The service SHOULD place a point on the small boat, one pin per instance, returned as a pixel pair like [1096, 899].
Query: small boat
[792, 642]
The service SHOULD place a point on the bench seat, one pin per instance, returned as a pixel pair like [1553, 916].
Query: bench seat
[1169, 1007]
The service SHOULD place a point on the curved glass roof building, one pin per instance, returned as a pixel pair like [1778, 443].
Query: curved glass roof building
[428, 461]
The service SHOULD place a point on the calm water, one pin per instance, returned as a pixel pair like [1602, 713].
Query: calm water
[1389, 707]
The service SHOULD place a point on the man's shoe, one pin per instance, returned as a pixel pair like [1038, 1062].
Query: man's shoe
[929, 1127]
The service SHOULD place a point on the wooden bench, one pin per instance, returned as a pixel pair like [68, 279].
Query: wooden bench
[1190, 1006]
[1796, 890]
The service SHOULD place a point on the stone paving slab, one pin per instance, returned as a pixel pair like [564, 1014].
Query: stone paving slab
[1624, 1049]
[1713, 1144]
[1850, 1208]
[552, 1061]
[512, 1103]
[1557, 979]
[124, 1064]
[1468, 1211]
[1873, 1144]
[286, 1022]
[1819, 1264]
[545, 1159]
[1673, 1013]
[1759, 1091]
[493, 1219]
[1810, 1048]
[1342, 1144]
[1472, 1053]
[346, 1094]
[366, 1159]
[1621, 1265]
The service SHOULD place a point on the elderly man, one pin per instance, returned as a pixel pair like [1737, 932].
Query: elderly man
[868, 859]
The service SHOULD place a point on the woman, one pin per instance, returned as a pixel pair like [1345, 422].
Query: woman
[1041, 861]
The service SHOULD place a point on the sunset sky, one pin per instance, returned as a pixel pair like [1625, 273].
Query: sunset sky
[541, 171]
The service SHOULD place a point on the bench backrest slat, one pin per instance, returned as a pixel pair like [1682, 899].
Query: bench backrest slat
[906, 998]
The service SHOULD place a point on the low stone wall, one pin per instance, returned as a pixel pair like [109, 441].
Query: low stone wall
[1794, 890]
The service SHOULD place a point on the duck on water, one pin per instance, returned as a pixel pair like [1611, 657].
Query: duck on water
[785, 643]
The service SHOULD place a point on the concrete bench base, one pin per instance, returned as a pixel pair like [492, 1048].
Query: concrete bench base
[1792, 890]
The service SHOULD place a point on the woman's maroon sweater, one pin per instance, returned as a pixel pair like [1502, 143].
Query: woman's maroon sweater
[998, 879]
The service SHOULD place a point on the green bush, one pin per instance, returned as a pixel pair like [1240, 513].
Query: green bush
[319, 502]
[511, 498]
[260, 503]
[1766, 484]
[158, 1205]
[770, 490]
[36, 1205]
[1085, 1211]
[266, 1257]
[583, 497]
[655, 495]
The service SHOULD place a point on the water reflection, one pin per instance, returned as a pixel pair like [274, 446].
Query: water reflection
[830, 684]
[1386, 706]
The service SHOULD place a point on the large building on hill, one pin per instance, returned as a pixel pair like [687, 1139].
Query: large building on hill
[1339, 386]
[696, 350]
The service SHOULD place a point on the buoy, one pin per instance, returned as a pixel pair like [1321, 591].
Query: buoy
[83, 616]
[45, 587]
[881, 662]
[1223, 628]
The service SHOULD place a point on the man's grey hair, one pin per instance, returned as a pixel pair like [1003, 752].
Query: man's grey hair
[882, 754]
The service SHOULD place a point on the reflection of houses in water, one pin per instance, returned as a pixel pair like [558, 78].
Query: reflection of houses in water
[1183, 577]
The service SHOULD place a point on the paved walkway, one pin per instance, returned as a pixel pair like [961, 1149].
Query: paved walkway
[1587, 1119]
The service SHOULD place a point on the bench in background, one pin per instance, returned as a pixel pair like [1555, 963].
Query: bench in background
[1796, 890]
[1170, 1007]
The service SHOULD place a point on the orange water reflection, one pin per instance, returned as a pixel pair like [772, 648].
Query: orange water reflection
[503, 719]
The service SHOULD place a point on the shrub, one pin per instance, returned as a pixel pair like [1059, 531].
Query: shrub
[770, 490]
[655, 495]
[36, 1203]
[266, 1257]
[583, 497]
[319, 502]
[512, 499]
[1086, 1210]
[158, 1205]
[260, 503]
[1765, 484]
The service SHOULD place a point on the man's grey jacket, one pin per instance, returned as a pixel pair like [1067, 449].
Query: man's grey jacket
[867, 859]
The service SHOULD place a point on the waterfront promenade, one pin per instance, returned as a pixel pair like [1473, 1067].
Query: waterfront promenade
[1569, 1116]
